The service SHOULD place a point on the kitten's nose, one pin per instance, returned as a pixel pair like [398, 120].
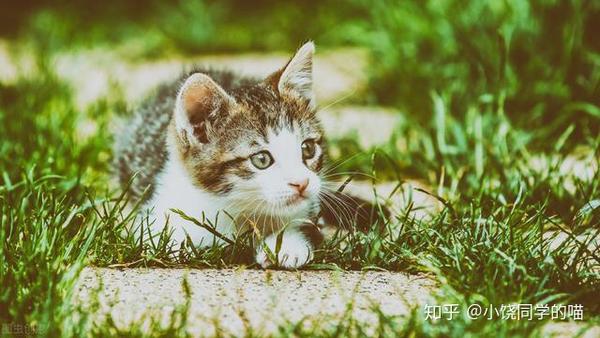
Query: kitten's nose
[299, 185]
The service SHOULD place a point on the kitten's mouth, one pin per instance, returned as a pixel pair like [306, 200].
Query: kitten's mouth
[294, 200]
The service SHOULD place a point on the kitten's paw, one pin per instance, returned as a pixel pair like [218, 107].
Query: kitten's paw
[295, 251]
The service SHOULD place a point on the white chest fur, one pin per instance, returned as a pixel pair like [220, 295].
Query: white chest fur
[174, 190]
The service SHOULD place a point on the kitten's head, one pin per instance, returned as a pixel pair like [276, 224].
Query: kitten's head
[259, 145]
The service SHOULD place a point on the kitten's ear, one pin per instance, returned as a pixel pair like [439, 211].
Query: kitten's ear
[199, 101]
[297, 75]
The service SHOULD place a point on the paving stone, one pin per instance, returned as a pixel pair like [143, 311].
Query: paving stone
[235, 300]
[372, 125]
[587, 260]
[580, 165]
[571, 329]
[8, 71]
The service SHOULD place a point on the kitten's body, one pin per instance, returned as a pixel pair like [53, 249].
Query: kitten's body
[238, 153]
[190, 148]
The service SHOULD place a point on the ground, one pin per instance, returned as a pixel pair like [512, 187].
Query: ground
[237, 300]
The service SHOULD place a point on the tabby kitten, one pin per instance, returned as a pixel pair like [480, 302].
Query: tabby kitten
[240, 152]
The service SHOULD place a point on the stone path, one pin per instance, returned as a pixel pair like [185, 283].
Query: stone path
[236, 300]
[571, 329]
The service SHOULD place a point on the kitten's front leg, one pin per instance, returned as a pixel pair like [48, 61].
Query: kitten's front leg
[297, 246]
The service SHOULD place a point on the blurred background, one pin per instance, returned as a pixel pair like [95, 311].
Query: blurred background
[538, 59]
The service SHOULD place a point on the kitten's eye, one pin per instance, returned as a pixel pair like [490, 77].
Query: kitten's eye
[308, 149]
[261, 160]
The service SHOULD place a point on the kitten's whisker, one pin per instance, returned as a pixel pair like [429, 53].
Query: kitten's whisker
[339, 210]
[355, 173]
[345, 205]
[338, 206]
[331, 208]
[333, 166]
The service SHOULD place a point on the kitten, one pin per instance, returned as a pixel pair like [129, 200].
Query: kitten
[214, 144]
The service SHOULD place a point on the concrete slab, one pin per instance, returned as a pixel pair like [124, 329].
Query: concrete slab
[8, 71]
[235, 301]
[372, 125]
[570, 329]
[580, 165]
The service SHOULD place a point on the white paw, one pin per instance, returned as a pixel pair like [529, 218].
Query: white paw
[295, 251]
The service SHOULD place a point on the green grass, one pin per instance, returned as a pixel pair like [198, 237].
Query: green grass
[482, 107]
[536, 60]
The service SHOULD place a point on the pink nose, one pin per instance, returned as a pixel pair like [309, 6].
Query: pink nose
[299, 185]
